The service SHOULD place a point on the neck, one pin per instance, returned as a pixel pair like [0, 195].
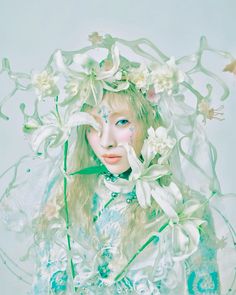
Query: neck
[124, 175]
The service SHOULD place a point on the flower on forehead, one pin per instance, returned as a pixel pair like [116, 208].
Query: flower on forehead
[95, 38]
[158, 142]
[139, 76]
[208, 112]
[45, 84]
[185, 232]
[166, 78]
[53, 130]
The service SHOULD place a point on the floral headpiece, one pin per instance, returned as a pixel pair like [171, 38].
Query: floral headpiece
[76, 78]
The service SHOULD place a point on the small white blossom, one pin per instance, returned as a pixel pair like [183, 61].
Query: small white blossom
[139, 76]
[166, 78]
[45, 85]
[159, 142]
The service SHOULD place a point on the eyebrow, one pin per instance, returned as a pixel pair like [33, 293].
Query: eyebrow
[120, 112]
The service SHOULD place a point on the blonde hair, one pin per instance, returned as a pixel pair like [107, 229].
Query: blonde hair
[81, 187]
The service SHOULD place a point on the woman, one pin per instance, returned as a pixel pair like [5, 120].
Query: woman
[128, 208]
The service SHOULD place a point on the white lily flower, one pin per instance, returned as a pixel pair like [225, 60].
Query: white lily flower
[166, 78]
[54, 131]
[45, 84]
[112, 74]
[167, 197]
[144, 178]
[94, 78]
[185, 233]
[106, 74]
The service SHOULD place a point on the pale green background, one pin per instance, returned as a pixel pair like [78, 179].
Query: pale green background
[30, 30]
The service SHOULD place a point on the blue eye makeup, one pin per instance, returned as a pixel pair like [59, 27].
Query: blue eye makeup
[122, 122]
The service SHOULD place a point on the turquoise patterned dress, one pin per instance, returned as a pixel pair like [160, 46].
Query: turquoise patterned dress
[100, 268]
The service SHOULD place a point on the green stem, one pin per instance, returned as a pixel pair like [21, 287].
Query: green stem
[66, 207]
[57, 110]
[151, 239]
[100, 212]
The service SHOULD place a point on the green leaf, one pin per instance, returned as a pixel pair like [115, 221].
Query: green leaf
[91, 170]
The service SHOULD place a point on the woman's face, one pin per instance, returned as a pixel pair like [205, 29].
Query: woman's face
[118, 125]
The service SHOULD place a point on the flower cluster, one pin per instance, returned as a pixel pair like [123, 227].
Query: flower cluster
[167, 78]
[113, 73]
[184, 218]
[158, 142]
[45, 84]
[77, 78]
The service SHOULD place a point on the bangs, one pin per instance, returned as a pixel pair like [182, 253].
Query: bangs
[118, 101]
[127, 100]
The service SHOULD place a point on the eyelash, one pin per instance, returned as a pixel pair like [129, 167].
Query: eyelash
[126, 122]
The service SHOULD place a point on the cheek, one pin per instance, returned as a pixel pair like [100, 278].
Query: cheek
[129, 135]
[125, 135]
[92, 138]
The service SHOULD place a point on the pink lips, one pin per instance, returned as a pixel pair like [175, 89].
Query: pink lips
[111, 158]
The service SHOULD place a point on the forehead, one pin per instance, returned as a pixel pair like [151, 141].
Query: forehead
[112, 107]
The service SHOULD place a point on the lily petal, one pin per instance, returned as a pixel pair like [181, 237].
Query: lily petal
[174, 190]
[119, 87]
[147, 152]
[82, 118]
[143, 192]
[180, 242]
[95, 93]
[159, 196]
[154, 172]
[190, 210]
[116, 62]
[134, 162]
[42, 134]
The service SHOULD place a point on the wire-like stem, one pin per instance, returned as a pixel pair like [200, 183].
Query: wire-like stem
[66, 208]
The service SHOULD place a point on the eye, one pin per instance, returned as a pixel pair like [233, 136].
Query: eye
[122, 122]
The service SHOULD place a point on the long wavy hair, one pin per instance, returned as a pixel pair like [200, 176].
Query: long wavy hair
[81, 187]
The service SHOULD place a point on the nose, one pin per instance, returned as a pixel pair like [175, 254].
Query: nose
[107, 139]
